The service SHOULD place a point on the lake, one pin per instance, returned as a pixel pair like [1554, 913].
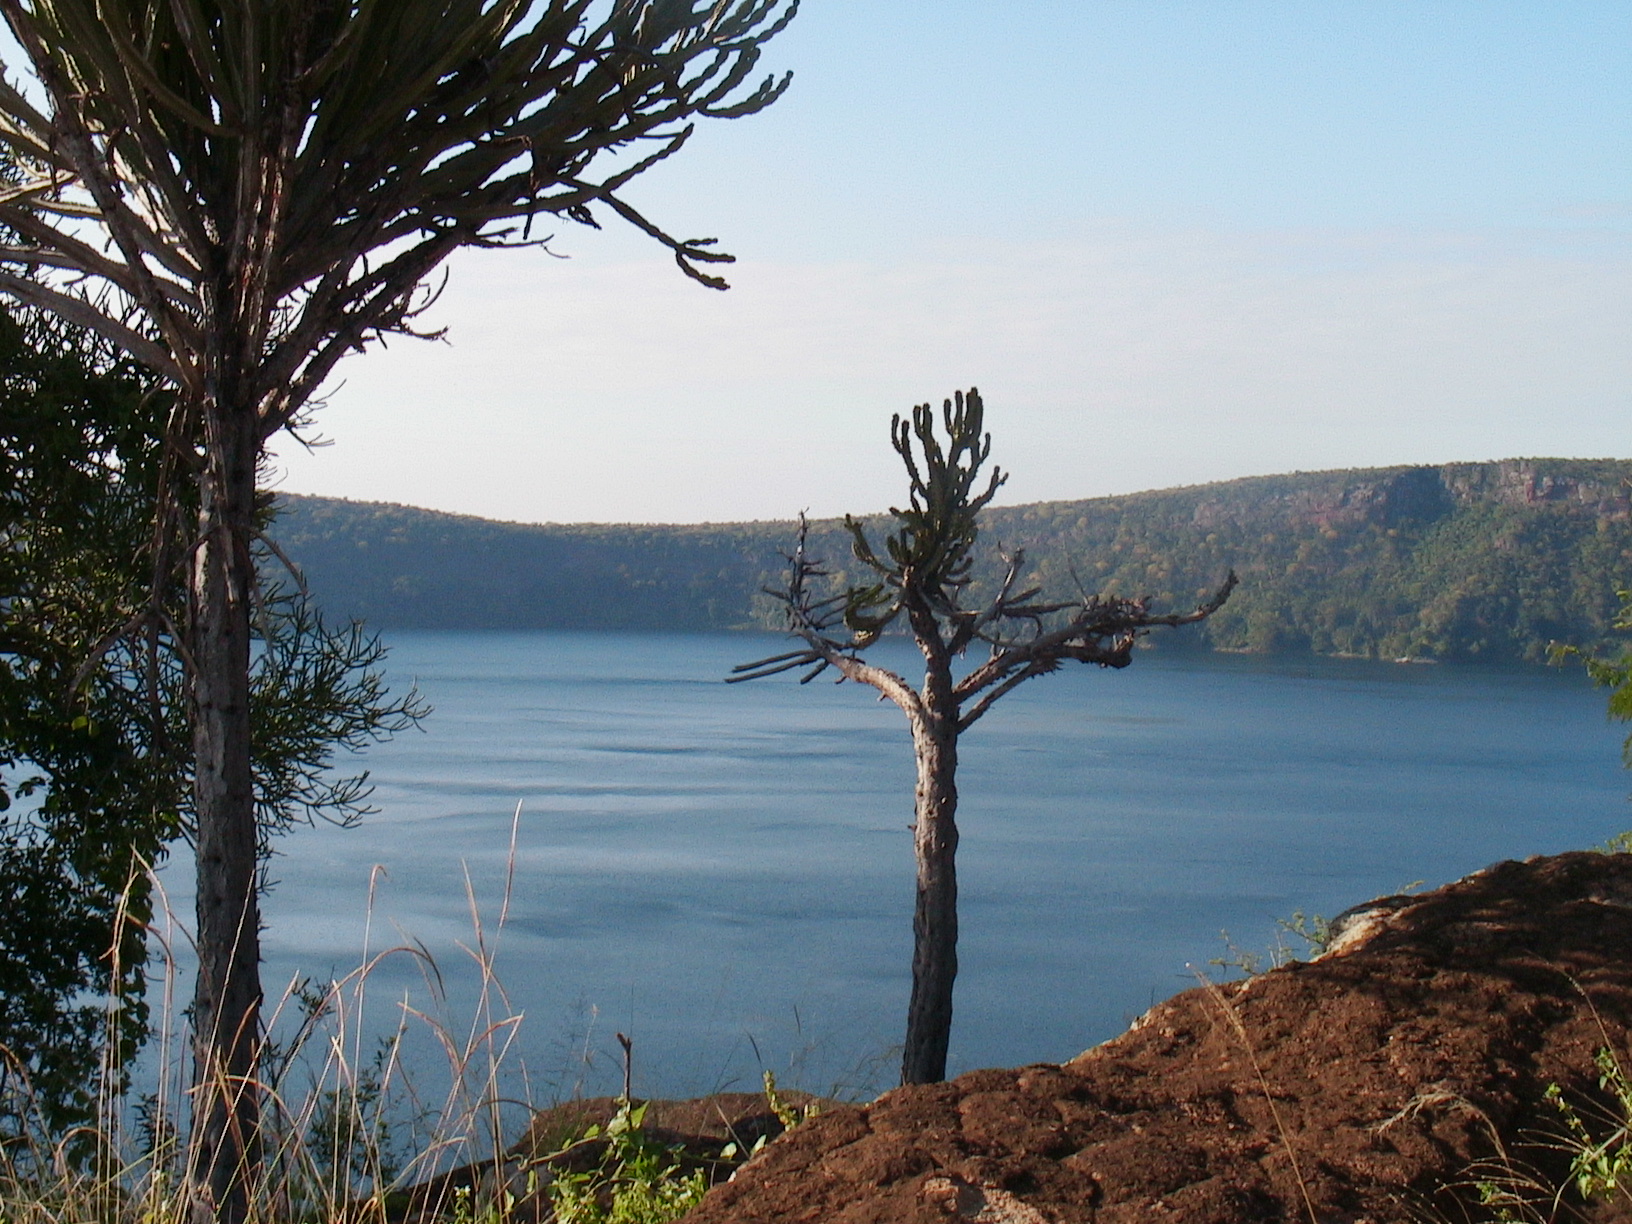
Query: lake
[725, 872]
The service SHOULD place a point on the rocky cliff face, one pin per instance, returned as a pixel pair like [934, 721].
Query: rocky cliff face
[1384, 498]
[1383, 1081]
[1595, 487]
[1387, 497]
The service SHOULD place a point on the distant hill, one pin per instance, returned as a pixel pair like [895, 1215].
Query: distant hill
[1466, 561]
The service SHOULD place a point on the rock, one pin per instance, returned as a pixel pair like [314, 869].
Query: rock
[1377, 1083]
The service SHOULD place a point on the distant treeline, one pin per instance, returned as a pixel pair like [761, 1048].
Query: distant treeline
[1468, 561]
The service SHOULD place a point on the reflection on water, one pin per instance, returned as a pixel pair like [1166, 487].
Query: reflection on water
[725, 873]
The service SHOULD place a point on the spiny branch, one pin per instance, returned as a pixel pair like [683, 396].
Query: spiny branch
[525, 102]
[813, 620]
[1102, 631]
[925, 573]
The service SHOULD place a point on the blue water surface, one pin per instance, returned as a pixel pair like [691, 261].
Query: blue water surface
[724, 872]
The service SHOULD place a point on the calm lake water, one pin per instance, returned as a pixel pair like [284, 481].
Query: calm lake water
[725, 872]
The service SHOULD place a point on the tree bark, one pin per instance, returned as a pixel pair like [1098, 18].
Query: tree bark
[224, 1148]
[935, 842]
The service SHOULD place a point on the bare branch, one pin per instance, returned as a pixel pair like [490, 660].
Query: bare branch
[293, 570]
[98, 175]
[968, 718]
[810, 618]
[970, 625]
[1103, 631]
[773, 666]
[56, 247]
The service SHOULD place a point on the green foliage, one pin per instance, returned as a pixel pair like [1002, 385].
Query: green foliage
[1600, 1167]
[1506, 1204]
[637, 1180]
[352, 1138]
[93, 730]
[86, 757]
[315, 691]
[1242, 960]
[929, 552]
[1486, 561]
[1614, 673]
[1621, 843]
[1596, 1138]
[1313, 930]
[788, 1114]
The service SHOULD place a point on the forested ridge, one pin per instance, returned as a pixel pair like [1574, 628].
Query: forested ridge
[1488, 561]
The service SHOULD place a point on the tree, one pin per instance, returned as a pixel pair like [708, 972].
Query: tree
[1614, 674]
[92, 711]
[239, 193]
[91, 796]
[923, 577]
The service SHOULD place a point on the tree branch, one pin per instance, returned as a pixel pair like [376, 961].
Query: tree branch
[971, 624]
[78, 310]
[1102, 631]
[810, 620]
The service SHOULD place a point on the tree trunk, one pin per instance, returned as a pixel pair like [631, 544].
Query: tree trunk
[935, 916]
[224, 1150]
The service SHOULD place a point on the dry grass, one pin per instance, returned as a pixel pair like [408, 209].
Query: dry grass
[346, 1129]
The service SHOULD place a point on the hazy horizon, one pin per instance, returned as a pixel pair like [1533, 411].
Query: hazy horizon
[1173, 242]
[997, 503]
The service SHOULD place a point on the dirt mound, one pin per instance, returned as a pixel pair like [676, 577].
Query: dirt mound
[1376, 1083]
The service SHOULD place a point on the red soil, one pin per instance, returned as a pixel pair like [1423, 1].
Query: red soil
[1377, 1083]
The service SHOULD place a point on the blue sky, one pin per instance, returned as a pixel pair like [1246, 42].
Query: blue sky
[1170, 242]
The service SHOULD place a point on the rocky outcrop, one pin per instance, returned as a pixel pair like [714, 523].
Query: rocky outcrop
[1383, 497]
[1388, 497]
[1379, 1082]
[1600, 488]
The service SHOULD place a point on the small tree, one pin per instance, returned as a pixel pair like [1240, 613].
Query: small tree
[1615, 674]
[238, 193]
[923, 577]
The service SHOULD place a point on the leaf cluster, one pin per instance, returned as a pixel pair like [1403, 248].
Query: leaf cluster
[90, 786]
[317, 691]
[1600, 1167]
[637, 1179]
[351, 1138]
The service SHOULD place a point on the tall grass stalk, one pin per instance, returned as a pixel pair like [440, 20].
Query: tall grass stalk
[346, 1130]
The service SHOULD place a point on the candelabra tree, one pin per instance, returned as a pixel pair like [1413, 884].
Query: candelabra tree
[238, 193]
[923, 576]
